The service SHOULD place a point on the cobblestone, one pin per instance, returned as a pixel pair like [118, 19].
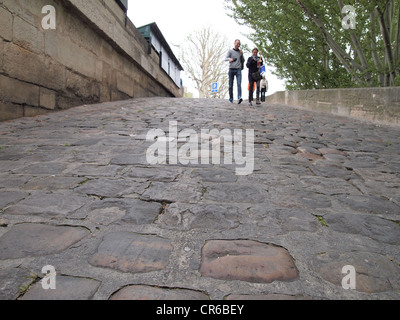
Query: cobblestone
[77, 193]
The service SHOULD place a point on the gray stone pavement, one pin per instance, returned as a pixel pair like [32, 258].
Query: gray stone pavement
[78, 193]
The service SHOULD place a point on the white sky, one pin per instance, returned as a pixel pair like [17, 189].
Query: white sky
[178, 18]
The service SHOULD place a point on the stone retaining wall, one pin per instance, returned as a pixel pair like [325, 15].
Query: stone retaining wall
[95, 54]
[378, 104]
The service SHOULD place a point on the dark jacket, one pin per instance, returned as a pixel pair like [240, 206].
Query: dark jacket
[252, 65]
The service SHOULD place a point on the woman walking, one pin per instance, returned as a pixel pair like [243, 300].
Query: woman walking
[254, 64]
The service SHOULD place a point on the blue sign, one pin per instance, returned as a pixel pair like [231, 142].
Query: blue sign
[215, 87]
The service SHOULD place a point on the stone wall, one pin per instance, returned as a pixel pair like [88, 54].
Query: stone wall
[378, 104]
[95, 54]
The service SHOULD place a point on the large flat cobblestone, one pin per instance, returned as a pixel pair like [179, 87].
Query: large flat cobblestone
[77, 192]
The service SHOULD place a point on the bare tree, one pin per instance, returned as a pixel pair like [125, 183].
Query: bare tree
[203, 56]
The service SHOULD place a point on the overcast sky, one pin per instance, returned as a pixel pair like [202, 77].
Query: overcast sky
[178, 18]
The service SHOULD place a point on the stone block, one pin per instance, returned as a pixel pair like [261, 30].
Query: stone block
[322, 106]
[6, 24]
[16, 91]
[108, 188]
[116, 10]
[117, 95]
[87, 38]
[67, 288]
[374, 272]
[132, 211]
[134, 253]
[152, 174]
[140, 92]
[246, 260]
[47, 98]
[32, 240]
[109, 75]
[207, 216]
[48, 205]
[27, 36]
[123, 39]
[34, 111]
[99, 70]
[9, 111]
[96, 14]
[2, 44]
[105, 93]
[77, 83]
[12, 280]
[140, 292]
[376, 104]
[30, 11]
[172, 192]
[234, 193]
[125, 84]
[55, 75]
[8, 198]
[69, 54]
[52, 183]
[23, 64]
[370, 226]
[106, 51]
[68, 101]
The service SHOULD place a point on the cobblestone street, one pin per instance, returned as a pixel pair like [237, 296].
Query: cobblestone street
[78, 193]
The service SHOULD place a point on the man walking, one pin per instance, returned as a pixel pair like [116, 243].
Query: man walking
[236, 64]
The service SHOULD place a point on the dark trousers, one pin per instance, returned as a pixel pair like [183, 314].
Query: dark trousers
[251, 89]
[263, 93]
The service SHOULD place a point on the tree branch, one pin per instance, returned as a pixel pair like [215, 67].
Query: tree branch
[397, 41]
[357, 46]
[350, 64]
[388, 47]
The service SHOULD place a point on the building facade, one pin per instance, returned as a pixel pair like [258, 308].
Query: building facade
[168, 62]
[56, 54]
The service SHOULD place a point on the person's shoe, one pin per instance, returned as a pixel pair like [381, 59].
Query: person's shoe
[231, 101]
[240, 101]
[250, 104]
[258, 101]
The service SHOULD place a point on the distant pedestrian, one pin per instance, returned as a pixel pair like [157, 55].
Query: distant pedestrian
[264, 86]
[254, 63]
[236, 65]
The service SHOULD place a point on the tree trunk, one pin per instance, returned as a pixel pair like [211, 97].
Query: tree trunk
[388, 48]
[377, 61]
[397, 42]
[357, 48]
